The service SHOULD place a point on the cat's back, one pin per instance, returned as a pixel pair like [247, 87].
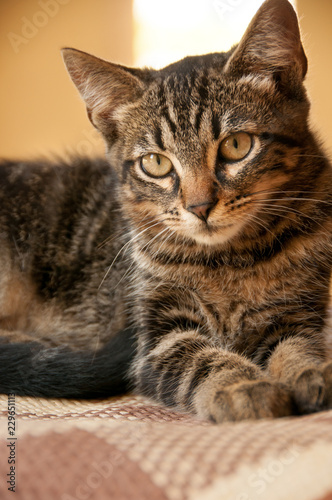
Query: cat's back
[40, 197]
[53, 213]
[60, 229]
[46, 184]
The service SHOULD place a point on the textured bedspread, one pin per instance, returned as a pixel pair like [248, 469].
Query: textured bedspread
[129, 448]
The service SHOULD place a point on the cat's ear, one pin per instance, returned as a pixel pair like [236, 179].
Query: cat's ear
[103, 86]
[271, 45]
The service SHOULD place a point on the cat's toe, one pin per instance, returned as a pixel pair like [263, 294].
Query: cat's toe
[251, 400]
[310, 391]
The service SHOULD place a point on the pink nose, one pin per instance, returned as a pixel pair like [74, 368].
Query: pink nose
[202, 211]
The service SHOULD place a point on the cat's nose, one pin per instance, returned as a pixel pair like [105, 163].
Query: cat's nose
[202, 211]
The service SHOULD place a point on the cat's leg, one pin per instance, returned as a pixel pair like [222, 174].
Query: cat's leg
[184, 370]
[297, 362]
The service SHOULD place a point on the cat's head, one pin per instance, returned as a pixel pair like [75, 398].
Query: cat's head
[203, 144]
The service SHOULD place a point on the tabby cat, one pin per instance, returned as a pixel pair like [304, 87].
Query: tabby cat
[193, 266]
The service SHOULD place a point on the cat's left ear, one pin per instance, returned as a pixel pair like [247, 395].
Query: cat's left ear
[103, 86]
[271, 45]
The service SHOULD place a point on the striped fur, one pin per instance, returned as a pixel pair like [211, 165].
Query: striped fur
[222, 268]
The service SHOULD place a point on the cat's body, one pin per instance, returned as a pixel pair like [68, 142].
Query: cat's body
[55, 250]
[196, 266]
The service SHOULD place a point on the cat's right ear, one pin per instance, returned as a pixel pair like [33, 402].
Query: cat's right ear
[103, 86]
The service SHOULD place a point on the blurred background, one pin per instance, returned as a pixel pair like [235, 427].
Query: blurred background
[41, 111]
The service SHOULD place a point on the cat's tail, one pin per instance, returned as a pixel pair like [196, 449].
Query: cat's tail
[30, 369]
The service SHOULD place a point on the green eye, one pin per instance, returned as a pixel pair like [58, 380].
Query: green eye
[236, 146]
[156, 165]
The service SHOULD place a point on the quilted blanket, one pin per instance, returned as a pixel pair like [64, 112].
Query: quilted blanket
[129, 448]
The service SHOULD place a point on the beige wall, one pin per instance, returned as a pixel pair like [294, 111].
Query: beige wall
[41, 111]
[40, 108]
[316, 24]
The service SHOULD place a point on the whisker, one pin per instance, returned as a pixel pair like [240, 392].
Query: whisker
[289, 198]
[145, 246]
[258, 221]
[279, 213]
[112, 237]
[287, 209]
[125, 246]
[288, 191]
[280, 209]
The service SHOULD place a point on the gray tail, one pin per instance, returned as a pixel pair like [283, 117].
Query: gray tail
[30, 369]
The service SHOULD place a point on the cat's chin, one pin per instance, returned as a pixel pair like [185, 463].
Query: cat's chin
[216, 237]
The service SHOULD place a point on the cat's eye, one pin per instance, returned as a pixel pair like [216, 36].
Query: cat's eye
[156, 165]
[235, 147]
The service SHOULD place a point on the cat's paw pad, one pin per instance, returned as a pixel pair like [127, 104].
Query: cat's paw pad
[310, 390]
[251, 400]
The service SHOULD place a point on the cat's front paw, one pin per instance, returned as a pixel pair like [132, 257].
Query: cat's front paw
[327, 375]
[253, 400]
[313, 389]
[309, 390]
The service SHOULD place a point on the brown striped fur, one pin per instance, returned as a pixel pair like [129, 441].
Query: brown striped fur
[221, 267]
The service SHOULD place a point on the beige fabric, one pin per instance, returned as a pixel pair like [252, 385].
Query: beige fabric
[129, 448]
